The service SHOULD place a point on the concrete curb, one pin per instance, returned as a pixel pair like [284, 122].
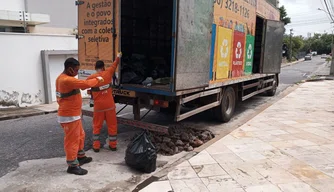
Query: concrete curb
[31, 114]
[293, 63]
[320, 78]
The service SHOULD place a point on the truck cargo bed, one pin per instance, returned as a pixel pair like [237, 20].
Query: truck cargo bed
[146, 43]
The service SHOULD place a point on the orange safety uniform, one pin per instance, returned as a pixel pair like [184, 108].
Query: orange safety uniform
[69, 114]
[104, 107]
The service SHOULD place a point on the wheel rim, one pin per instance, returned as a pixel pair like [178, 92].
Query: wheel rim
[274, 84]
[228, 103]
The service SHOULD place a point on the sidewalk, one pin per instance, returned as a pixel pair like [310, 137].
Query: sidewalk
[324, 71]
[12, 113]
[287, 147]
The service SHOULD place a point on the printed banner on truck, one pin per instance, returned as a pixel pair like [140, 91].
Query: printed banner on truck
[249, 55]
[237, 15]
[224, 41]
[238, 54]
[96, 30]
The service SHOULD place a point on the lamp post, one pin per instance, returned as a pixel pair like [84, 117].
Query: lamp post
[331, 71]
[291, 33]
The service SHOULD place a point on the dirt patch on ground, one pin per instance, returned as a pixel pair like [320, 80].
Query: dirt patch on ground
[180, 139]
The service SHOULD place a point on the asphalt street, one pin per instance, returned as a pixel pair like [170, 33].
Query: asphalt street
[40, 137]
[300, 71]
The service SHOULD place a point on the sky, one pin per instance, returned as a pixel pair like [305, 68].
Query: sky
[306, 18]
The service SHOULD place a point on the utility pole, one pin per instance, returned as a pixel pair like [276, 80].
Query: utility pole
[290, 57]
[331, 71]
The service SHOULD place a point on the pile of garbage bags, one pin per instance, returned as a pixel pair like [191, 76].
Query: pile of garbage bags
[138, 69]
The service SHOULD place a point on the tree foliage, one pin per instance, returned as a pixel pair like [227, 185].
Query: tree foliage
[319, 42]
[284, 15]
[297, 43]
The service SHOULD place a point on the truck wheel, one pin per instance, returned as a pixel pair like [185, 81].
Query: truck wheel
[225, 111]
[272, 92]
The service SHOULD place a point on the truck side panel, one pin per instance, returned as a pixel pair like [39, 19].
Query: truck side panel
[238, 19]
[193, 44]
[266, 10]
[239, 16]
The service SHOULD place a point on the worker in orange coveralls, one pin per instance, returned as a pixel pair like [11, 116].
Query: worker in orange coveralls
[69, 114]
[104, 105]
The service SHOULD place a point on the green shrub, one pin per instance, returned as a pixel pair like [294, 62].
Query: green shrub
[328, 59]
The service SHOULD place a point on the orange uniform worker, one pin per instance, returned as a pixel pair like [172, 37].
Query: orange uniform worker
[104, 105]
[69, 114]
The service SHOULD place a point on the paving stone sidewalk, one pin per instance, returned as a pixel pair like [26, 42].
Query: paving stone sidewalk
[288, 147]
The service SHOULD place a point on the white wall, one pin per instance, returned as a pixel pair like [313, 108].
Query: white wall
[21, 78]
[63, 13]
[12, 5]
[41, 29]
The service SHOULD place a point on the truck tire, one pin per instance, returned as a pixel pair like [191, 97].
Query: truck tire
[225, 111]
[272, 91]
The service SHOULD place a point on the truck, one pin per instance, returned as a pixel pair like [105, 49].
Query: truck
[180, 53]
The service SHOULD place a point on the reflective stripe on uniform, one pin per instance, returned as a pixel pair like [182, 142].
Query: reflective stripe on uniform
[81, 152]
[104, 87]
[69, 94]
[73, 163]
[62, 119]
[109, 109]
[96, 137]
[113, 138]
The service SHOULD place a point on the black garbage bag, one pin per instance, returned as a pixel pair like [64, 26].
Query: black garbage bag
[127, 77]
[141, 154]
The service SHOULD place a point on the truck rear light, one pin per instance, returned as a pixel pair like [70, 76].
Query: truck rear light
[160, 103]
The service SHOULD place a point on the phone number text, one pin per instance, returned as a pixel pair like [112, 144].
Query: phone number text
[233, 6]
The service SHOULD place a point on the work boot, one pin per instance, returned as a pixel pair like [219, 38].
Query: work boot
[76, 170]
[84, 160]
[112, 148]
[96, 150]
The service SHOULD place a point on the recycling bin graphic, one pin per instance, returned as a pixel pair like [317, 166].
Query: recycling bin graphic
[238, 54]
[224, 45]
[249, 57]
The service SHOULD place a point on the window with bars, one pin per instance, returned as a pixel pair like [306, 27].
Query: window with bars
[12, 29]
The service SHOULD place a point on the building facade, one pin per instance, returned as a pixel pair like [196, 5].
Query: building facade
[38, 16]
[36, 38]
